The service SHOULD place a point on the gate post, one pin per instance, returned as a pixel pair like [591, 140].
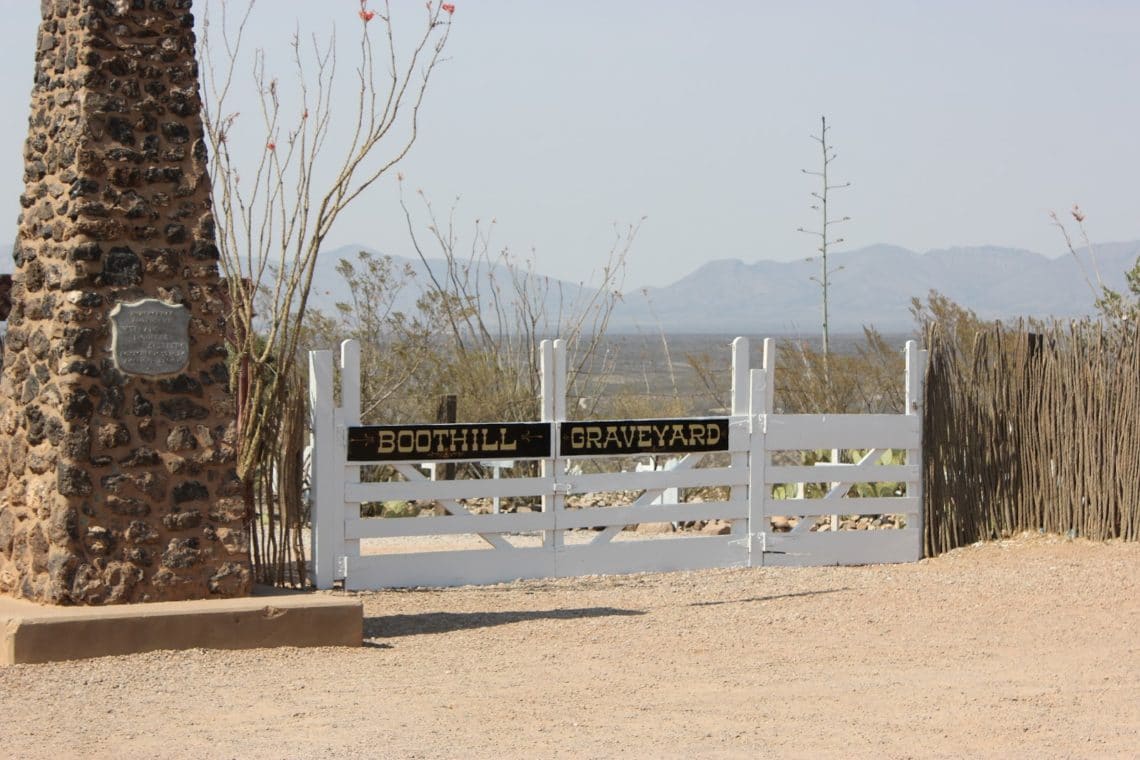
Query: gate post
[915, 378]
[770, 376]
[761, 389]
[553, 363]
[741, 364]
[349, 415]
[326, 511]
[757, 465]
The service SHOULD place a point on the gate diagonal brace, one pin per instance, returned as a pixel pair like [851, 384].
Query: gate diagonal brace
[453, 507]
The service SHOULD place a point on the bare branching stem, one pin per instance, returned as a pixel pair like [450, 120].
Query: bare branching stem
[825, 225]
[1116, 307]
[495, 309]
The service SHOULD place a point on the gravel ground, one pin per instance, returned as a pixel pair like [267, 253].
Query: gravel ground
[1022, 648]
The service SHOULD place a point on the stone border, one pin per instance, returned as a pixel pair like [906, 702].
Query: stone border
[34, 633]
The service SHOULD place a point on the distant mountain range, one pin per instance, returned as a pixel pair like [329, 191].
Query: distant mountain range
[874, 287]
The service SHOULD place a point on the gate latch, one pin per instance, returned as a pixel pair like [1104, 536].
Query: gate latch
[562, 487]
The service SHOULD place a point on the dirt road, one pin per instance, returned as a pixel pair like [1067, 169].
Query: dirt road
[1023, 648]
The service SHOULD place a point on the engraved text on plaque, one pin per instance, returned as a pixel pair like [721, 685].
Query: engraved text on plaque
[150, 337]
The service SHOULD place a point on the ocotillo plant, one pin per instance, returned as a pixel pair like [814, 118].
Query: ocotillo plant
[304, 162]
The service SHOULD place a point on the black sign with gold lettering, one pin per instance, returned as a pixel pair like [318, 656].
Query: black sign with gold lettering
[676, 436]
[429, 443]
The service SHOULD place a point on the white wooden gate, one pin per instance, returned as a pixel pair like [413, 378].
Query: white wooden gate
[557, 540]
[870, 435]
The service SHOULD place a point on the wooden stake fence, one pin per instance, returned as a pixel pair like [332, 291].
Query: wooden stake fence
[1032, 432]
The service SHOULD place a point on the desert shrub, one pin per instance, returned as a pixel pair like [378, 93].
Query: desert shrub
[475, 328]
[869, 379]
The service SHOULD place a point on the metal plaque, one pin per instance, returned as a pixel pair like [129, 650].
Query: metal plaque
[672, 436]
[432, 443]
[150, 337]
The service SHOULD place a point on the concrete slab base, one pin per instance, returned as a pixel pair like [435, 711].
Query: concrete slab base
[33, 633]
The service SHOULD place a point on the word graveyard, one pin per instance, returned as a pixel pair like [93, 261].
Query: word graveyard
[643, 437]
[534, 440]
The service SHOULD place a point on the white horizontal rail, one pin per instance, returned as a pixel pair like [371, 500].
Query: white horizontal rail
[447, 568]
[655, 480]
[437, 490]
[887, 505]
[461, 568]
[842, 431]
[653, 555]
[847, 473]
[848, 547]
[594, 517]
[396, 527]
[600, 517]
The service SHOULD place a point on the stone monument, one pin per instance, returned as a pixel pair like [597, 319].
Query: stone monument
[117, 434]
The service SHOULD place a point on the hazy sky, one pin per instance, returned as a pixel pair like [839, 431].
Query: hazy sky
[958, 123]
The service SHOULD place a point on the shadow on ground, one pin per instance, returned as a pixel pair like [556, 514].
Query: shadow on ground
[390, 626]
[768, 598]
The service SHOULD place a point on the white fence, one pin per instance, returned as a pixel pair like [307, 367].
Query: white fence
[561, 540]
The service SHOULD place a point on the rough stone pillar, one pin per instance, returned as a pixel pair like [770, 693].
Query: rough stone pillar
[117, 430]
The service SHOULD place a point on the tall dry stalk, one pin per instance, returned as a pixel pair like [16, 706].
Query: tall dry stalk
[826, 222]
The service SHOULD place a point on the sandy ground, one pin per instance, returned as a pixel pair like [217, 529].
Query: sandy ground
[1024, 648]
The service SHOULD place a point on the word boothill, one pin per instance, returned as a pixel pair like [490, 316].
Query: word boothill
[393, 443]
